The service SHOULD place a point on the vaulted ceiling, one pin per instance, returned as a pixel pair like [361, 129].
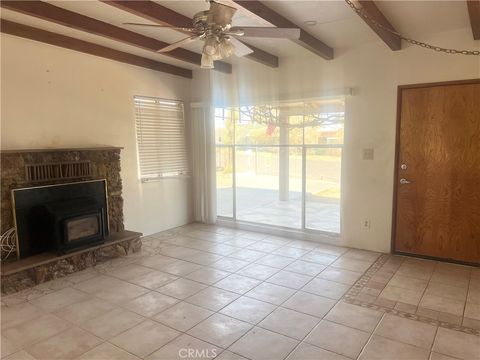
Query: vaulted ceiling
[96, 27]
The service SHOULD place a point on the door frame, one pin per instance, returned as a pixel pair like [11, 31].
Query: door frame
[400, 89]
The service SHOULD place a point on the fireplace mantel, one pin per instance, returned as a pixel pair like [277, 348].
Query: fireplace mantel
[98, 148]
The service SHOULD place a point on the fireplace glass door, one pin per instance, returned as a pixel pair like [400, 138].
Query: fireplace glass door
[81, 228]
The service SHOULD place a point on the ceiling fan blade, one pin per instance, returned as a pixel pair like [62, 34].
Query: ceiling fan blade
[178, 44]
[268, 32]
[220, 14]
[240, 48]
[161, 26]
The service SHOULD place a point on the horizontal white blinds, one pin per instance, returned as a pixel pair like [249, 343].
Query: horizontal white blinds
[162, 148]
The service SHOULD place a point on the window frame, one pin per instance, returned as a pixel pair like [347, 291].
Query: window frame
[184, 170]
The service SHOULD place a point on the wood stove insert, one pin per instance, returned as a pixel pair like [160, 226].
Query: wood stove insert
[60, 218]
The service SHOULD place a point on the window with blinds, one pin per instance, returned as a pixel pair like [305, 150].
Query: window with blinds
[161, 143]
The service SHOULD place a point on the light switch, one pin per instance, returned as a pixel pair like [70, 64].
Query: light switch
[367, 154]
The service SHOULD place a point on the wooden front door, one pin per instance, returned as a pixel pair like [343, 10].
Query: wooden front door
[437, 176]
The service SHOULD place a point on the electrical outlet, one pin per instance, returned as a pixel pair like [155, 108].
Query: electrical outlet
[367, 154]
[366, 224]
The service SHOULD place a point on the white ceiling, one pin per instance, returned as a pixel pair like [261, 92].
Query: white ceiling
[336, 24]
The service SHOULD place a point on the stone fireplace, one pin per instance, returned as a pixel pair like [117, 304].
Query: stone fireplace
[67, 208]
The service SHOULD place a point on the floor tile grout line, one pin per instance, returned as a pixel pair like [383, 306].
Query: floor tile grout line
[313, 329]
[70, 326]
[173, 339]
[44, 339]
[466, 297]
[434, 339]
[371, 336]
[464, 301]
[403, 342]
[424, 292]
[118, 347]
[145, 318]
[289, 336]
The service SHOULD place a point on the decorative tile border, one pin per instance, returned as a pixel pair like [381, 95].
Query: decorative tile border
[351, 298]
[365, 278]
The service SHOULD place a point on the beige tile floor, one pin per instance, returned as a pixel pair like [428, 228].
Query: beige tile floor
[203, 291]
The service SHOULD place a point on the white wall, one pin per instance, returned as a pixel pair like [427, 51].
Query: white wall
[58, 98]
[374, 71]
[52, 97]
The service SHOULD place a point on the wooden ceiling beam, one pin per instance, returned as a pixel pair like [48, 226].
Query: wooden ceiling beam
[370, 8]
[58, 15]
[28, 32]
[159, 14]
[306, 40]
[474, 14]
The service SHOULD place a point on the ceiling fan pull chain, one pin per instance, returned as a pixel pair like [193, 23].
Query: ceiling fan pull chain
[362, 14]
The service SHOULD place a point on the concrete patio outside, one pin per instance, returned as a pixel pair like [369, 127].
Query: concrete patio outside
[264, 207]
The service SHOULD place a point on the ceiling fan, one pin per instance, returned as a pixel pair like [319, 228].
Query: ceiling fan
[214, 27]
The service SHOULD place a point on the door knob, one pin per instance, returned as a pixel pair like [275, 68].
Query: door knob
[404, 181]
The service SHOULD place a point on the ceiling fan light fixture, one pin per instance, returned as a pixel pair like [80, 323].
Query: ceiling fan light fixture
[216, 49]
[211, 46]
[207, 61]
[218, 55]
[226, 48]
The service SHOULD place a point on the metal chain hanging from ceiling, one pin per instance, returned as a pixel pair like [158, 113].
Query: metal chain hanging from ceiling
[362, 14]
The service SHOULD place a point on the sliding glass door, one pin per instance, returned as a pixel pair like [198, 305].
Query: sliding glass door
[280, 164]
[225, 158]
